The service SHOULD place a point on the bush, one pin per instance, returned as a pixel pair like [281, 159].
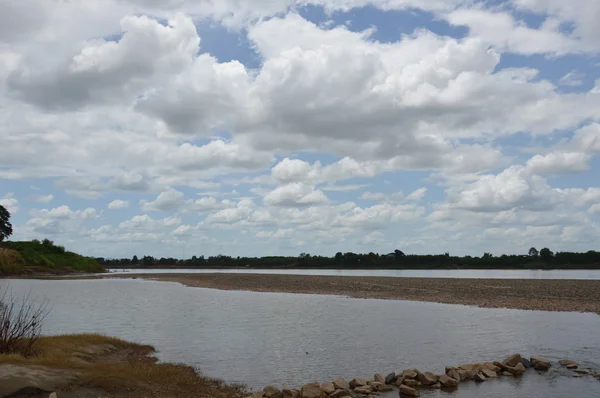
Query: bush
[20, 323]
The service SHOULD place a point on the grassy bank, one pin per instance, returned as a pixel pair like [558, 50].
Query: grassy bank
[17, 258]
[93, 365]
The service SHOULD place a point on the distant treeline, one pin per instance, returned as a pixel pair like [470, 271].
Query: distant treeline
[534, 259]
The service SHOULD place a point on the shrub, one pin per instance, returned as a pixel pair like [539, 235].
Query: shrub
[20, 323]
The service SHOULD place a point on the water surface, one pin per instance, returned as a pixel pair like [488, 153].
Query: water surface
[290, 339]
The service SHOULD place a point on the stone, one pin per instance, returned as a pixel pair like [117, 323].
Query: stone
[506, 373]
[291, 393]
[409, 374]
[375, 385]
[517, 370]
[328, 387]
[540, 363]
[406, 391]
[453, 373]
[385, 388]
[272, 392]
[391, 378]
[491, 366]
[427, 378]
[489, 373]
[358, 382]
[581, 371]
[436, 385]
[378, 377]
[363, 389]
[53, 395]
[467, 366]
[526, 363]
[500, 365]
[512, 360]
[480, 377]
[448, 382]
[464, 374]
[341, 384]
[260, 394]
[409, 382]
[340, 394]
[311, 390]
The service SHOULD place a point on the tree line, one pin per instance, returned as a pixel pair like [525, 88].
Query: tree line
[534, 259]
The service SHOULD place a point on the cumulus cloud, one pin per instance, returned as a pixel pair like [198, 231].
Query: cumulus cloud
[118, 204]
[43, 198]
[168, 200]
[295, 194]
[10, 203]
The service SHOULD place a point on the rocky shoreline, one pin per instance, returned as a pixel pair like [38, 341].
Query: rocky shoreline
[409, 382]
[526, 294]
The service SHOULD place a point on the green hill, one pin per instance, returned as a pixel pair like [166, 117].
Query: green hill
[35, 256]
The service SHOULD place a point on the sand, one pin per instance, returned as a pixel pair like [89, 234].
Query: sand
[527, 294]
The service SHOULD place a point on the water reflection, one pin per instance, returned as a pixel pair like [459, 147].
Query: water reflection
[287, 339]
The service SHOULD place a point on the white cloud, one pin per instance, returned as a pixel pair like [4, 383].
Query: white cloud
[168, 200]
[295, 194]
[118, 204]
[10, 203]
[572, 79]
[43, 198]
[559, 162]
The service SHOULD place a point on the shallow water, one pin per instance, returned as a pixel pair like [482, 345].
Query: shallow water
[288, 340]
[441, 273]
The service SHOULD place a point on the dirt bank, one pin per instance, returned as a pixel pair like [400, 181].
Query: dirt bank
[91, 366]
[528, 294]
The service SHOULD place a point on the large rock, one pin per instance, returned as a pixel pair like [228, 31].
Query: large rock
[467, 366]
[540, 363]
[272, 392]
[328, 387]
[448, 382]
[358, 382]
[312, 390]
[379, 377]
[491, 366]
[464, 374]
[517, 370]
[341, 384]
[406, 391]
[409, 374]
[291, 393]
[512, 360]
[363, 390]
[427, 378]
[489, 373]
[568, 363]
[375, 385]
[385, 388]
[453, 373]
[500, 365]
[526, 363]
[391, 378]
[408, 382]
[340, 394]
[480, 377]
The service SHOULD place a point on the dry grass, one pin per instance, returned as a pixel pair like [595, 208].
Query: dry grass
[11, 262]
[120, 368]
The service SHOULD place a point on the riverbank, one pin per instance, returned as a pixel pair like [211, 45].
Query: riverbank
[527, 294]
[91, 366]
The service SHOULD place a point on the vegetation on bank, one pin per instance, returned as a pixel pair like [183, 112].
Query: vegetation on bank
[534, 259]
[19, 257]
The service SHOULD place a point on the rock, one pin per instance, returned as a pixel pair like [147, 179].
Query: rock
[517, 370]
[427, 378]
[576, 375]
[290, 393]
[363, 389]
[581, 371]
[406, 391]
[526, 363]
[467, 366]
[506, 373]
[489, 373]
[328, 387]
[375, 385]
[453, 373]
[568, 364]
[53, 395]
[512, 360]
[409, 374]
[378, 377]
[260, 394]
[341, 384]
[540, 363]
[272, 392]
[409, 382]
[391, 378]
[448, 382]
[464, 374]
[480, 377]
[358, 382]
[340, 394]
[385, 388]
[312, 390]
[491, 366]
[500, 365]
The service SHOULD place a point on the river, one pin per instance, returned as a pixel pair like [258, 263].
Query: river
[288, 339]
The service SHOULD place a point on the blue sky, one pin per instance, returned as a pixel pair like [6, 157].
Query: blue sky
[280, 127]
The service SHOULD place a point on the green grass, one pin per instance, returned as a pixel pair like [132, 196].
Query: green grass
[46, 256]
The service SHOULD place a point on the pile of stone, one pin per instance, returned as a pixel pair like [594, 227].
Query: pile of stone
[410, 381]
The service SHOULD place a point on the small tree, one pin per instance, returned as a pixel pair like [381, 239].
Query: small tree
[546, 254]
[20, 323]
[533, 252]
[6, 229]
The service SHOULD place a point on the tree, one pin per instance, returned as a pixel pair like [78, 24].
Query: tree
[6, 229]
[546, 254]
[134, 260]
[533, 252]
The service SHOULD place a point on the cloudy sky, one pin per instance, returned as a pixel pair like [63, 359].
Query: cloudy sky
[261, 127]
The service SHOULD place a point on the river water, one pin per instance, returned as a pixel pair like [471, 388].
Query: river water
[289, 339]
[442, 273]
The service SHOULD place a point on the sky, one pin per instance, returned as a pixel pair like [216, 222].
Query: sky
[279, 127]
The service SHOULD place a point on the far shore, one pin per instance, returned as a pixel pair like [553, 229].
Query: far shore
[527, 294]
